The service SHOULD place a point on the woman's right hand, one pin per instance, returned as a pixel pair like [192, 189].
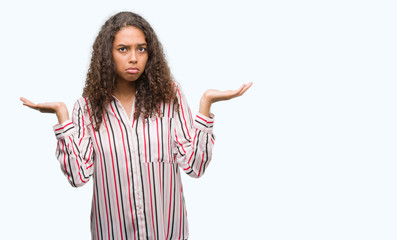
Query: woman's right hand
[59, 108]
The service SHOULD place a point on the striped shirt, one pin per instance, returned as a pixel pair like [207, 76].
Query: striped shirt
[135, 165]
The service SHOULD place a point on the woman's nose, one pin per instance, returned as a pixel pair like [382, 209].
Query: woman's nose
[132, 58]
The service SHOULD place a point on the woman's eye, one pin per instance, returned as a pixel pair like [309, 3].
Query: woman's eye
[122, 49]
[142, 49]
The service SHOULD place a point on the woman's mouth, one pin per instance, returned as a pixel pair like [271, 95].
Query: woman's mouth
[132, 70]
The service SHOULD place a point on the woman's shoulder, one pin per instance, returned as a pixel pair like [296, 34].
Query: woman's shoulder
[82, 103]
[177, 86]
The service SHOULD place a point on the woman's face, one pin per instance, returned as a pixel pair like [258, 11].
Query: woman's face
[130, 53]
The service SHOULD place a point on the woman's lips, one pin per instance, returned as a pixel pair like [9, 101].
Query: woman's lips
[132, 70]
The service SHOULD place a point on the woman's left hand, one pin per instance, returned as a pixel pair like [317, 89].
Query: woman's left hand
[210, 96]
[213, 95]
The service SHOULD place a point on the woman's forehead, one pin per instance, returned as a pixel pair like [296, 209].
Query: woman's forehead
[130, 35]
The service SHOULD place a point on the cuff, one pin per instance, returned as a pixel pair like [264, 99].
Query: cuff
[64, 129]
[204, 123]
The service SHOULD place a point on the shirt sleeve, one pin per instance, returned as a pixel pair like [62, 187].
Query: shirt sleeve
[74, 147]
[194, 139]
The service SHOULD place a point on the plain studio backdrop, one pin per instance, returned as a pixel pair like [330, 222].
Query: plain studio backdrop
[309, 152]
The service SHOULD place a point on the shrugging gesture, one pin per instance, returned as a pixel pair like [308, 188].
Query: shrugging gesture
[132, 133]
[210, 96]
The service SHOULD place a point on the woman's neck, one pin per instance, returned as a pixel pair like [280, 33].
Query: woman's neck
[125, 90]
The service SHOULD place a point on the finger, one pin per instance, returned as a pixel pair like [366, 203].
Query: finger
[238, 91]
[242, 89]
[32, 105]
[246, 87]
[229, 94]
[28, 103]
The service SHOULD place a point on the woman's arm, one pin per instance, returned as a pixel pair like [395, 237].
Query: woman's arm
[194, 138]
[74, 148]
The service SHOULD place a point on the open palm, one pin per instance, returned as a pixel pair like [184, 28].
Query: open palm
[59, 108]
[216, 95]
[47, 107]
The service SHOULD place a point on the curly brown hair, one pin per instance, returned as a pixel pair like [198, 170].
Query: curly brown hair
[153, 86]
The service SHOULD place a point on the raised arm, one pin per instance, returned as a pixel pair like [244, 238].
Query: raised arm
[195, 138]
[74, 148]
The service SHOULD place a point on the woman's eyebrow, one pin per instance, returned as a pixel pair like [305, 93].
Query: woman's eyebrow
[126, 45]
[122, 45]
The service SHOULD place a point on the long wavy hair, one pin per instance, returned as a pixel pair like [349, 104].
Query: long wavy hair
[153, 86]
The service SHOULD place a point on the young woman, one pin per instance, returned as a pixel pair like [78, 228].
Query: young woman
[133, 132]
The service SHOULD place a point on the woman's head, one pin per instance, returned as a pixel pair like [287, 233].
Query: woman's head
[129, 55]
[154, 85]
